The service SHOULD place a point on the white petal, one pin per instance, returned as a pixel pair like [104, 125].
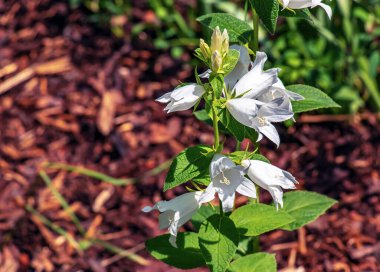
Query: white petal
[165, 218]
[220, 163]
[279, 84]
[327, 9]
[205, 74]
[243, 109]
[228, 181]
[173, 241]
[256, 81]
[165, 98]
[259, 137]
[208, 194]
[260, 60]
[247, 188]
[294, 96]
[276, 194]
[271, 133]
[188, 92]
[289, 176]
[300, 4]
[184, 97]
[227, 201]
[173, 230]
[241, 67]
[180, 203]
[274, 112]
[148, 209]
[285, 3]
[266, 175]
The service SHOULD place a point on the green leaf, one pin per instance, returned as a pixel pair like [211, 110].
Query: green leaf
[296, 13]
[202, 214]
[230, 61]
[218, 240]
[233, 126]
[246, 246]
[258, 262]
[203, 178]
[238, 156]
[268, 13]
[186, 256]
[305, 207]
[314, 99]
[238, 30]
[217, 84]
[256, 219]
[188, 164]
[203, 116]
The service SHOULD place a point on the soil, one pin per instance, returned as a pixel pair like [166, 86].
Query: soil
[71, 92]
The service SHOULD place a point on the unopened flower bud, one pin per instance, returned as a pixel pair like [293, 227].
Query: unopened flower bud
[216, 61]
[225, 43]
[216, 40]
[205, 49]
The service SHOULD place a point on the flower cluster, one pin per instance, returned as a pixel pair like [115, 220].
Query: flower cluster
[256, 98]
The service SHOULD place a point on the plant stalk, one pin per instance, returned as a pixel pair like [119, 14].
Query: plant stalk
[215, 123]
[255, 43]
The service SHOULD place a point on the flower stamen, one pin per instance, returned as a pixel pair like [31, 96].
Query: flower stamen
[225, 180]
[262, 120]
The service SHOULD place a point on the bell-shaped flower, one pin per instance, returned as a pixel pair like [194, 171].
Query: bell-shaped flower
[278, 90]
[270, 178]
[256, 81]
[300, 4]
[176, 212]
[226, 179]
[182, 98]
[258, 115]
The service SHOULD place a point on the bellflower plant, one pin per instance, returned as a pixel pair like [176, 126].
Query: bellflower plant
[237, 93]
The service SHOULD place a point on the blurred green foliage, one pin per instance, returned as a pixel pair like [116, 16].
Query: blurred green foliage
[341, 56]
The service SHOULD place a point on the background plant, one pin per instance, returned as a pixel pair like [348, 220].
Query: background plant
[340, 56]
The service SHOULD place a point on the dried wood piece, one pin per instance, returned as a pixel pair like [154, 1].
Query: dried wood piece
[9, 259]
[8, 69]
[48, 68]
[105, 120]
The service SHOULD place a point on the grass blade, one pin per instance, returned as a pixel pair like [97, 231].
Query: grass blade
[90, 173]
[61, 201]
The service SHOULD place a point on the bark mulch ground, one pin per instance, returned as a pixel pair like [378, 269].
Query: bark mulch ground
[72, 93]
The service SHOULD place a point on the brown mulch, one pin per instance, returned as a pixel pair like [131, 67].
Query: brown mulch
[72, 93]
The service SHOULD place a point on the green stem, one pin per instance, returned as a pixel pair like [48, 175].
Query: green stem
[238, 145]
[215, 123]
[255, 43]
[220, 207]
[256, 244]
